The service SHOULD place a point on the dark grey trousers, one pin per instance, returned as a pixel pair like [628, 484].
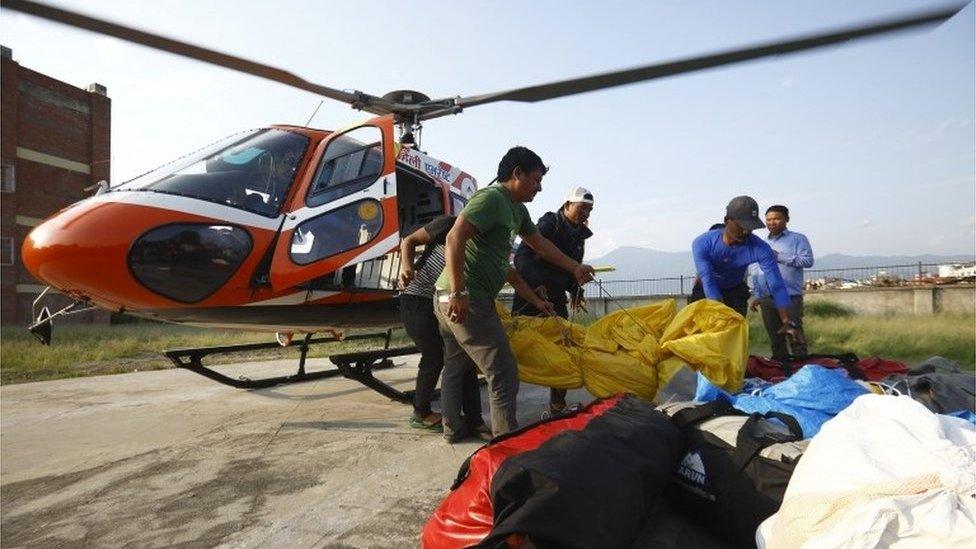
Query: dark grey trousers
[480, 340]
[417, 314]
[736, 297]
[772, 322]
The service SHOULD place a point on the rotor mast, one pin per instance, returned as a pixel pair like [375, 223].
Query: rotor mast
[406, 106]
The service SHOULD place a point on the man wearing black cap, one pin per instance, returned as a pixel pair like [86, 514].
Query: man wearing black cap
[722, 256]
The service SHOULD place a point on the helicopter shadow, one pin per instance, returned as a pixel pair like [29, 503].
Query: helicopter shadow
[277, 393]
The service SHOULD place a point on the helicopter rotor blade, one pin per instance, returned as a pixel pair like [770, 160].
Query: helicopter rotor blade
[429, 109]
[562, 88]
[358, 100]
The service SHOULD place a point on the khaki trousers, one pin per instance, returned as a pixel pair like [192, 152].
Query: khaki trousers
[479, 342]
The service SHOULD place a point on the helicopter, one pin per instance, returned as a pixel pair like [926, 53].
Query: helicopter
[290, 229]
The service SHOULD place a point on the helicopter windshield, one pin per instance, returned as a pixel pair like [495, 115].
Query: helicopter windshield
[251, 171]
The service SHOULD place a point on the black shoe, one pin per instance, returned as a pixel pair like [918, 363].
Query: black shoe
[459, 435]
[481, 431]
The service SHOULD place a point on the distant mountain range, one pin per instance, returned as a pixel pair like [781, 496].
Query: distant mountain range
[634, 263]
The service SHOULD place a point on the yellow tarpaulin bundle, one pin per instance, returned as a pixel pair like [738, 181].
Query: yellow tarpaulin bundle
[634, 350]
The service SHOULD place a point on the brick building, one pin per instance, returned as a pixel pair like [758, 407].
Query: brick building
[55, 142]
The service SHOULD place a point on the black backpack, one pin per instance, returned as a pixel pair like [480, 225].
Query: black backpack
[735, 468]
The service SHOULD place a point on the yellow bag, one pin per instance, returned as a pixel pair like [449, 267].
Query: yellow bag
[605, 374]
[621, 329]
[543, 361]
[636, 350]
[712, 339]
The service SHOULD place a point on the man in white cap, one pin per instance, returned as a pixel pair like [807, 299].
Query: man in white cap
[567, 229]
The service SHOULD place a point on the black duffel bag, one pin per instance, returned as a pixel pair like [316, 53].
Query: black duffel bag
[588, 488]
[735, 468]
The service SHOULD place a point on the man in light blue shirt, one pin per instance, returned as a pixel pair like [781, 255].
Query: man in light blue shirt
[793, 254]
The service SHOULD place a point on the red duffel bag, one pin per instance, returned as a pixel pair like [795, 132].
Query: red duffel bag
[871, 368]
[876, 369]
[586, 479]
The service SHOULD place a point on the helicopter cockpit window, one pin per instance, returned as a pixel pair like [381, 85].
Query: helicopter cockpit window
[250, 171]
[337, 231]
[188, 262]
[351, 162]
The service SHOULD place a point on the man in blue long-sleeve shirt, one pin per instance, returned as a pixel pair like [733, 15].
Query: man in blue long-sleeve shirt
[793, 254]
[722, 256]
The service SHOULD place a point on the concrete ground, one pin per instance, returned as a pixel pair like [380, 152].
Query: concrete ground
[171, 458]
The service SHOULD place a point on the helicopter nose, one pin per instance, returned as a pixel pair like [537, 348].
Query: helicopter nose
[124, 253]
[75, 253]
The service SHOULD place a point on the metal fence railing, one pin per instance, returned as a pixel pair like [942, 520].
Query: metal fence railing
[888, 275]
[675, 285]
[912, 274]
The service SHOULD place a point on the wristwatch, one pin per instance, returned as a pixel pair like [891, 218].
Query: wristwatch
[462, 293]
[792, 324]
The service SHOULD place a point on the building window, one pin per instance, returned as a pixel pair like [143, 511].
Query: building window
[6, 251]
[7, 179]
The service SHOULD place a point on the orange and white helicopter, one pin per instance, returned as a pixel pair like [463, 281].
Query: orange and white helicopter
[291, 229]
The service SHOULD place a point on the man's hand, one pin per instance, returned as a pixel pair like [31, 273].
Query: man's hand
[583, 273]
[406, 275]
[753, 304]
[457, 309]
[545, 307]
[542, 292]
[791, 330]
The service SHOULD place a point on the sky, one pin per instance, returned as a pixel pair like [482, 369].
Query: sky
[870, 144]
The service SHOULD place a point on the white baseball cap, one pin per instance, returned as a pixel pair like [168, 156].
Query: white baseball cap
[579, 194]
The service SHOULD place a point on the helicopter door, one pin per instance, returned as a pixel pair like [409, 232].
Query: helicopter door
[346, 212]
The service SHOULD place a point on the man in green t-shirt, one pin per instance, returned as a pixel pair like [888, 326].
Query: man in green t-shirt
[477, 252]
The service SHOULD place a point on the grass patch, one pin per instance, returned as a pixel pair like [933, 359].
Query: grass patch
[81, 350]
[908, 338]
[826, 309]
[84, 350]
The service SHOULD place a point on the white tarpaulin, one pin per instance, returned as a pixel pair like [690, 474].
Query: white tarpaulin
[885, 472]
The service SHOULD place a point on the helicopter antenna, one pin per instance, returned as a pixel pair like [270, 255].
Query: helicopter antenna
[316, 111]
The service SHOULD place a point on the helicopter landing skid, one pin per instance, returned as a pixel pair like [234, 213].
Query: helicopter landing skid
[356, 366]
[360, 366]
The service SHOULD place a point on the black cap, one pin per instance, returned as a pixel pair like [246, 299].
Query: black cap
[745, 211]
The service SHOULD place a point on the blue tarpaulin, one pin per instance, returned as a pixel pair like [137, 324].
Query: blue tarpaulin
[812, 396]
[964, 414]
